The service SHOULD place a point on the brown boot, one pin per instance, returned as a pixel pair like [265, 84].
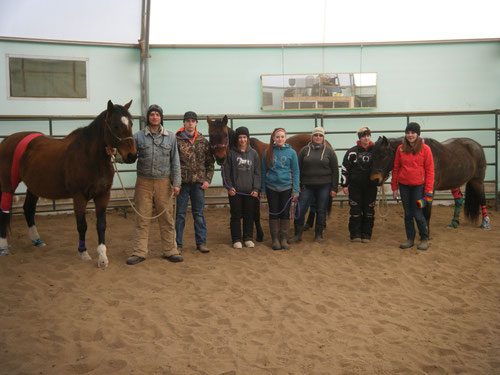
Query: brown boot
[284, 227]
[274, 229]
[406, 245]
[424, 244]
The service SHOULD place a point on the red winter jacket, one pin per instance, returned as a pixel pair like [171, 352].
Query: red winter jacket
[414, 170]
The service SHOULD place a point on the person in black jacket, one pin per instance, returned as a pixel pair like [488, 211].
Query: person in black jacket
[242, 180]
[319, 178]
[356, 183]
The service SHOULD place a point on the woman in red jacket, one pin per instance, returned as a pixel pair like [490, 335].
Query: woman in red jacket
[413, 173]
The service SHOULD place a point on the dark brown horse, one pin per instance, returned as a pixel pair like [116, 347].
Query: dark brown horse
[457, 161]
[78, 166]
[223, 138]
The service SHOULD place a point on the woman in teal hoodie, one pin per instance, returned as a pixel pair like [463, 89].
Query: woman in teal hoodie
[280, 181]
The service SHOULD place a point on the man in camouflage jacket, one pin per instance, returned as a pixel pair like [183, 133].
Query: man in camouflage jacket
[197, 170]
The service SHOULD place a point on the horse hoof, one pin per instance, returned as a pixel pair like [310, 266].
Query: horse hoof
[486, 224]
[4, 251]
[85, 256]
[39, 243]
[102, 264]
[259, 237]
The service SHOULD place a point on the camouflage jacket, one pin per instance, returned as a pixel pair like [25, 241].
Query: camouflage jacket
[197, 162]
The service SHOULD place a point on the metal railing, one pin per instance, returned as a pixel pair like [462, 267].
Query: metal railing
[221, 198]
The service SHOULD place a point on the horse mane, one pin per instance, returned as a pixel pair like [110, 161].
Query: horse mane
[95, 128]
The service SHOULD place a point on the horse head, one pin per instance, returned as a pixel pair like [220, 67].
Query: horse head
[118, 132]
[382, 160]
[219, 138]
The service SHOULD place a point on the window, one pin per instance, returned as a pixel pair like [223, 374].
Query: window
[31, 77]
[319, 91]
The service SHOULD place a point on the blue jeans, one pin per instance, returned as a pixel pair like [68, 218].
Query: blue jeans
[307, 194]
[409, 196]
[197, 195]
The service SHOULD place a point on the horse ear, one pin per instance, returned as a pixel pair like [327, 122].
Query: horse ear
[385, 140]
[127, 106]
[224, 120]
[110, 105]
[209, 120]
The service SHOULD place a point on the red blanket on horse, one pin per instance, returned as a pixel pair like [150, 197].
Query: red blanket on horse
[6, 203]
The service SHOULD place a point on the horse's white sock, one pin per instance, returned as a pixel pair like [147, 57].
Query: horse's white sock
[33, 233]
[103, 259]
[3, 243]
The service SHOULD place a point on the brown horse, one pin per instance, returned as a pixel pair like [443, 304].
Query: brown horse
[78, 166]
[457, 161]
[222, 138]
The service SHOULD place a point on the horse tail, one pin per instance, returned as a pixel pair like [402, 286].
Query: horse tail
[472, 202]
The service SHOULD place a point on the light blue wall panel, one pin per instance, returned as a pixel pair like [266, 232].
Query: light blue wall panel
[113, 73]
[432, 77]
[429, 77]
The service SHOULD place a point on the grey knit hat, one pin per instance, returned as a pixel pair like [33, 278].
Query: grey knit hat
[155, 108]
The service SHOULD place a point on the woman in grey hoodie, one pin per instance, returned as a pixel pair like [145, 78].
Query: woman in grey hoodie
[242, 180]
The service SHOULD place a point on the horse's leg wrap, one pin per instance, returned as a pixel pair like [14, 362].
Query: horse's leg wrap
[81, 225]
[29, 208]
[457, 194]
[483, 210]
[4, 224]
[485, 223]
[456, 212]
[101, 228]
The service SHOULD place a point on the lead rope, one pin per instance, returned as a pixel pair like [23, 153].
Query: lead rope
[382, 205]
[126, 195]
[294, 206]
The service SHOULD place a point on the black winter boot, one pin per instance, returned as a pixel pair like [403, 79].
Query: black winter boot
[310, 221]
[299, 229]
[318, 235]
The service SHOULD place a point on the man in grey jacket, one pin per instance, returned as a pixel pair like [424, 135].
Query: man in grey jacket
[158, 178]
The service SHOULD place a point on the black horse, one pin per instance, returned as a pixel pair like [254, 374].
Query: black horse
[457, 161]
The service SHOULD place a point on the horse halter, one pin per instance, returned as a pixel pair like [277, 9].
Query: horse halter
[386, 169]
[120, 140]
[220, 145]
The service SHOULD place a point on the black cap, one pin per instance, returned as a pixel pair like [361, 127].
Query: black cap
[155, 108]
[242, 130]
[413, 127]
[190, 114]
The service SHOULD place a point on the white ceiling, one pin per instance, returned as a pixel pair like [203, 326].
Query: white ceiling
[251, 22]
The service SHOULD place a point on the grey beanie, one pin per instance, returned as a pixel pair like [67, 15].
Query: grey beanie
[155, 108]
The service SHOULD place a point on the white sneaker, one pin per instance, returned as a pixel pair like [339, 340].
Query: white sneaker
[249, 243]
[237, 245]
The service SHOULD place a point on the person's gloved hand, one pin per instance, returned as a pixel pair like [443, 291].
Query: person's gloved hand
[426, 200]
